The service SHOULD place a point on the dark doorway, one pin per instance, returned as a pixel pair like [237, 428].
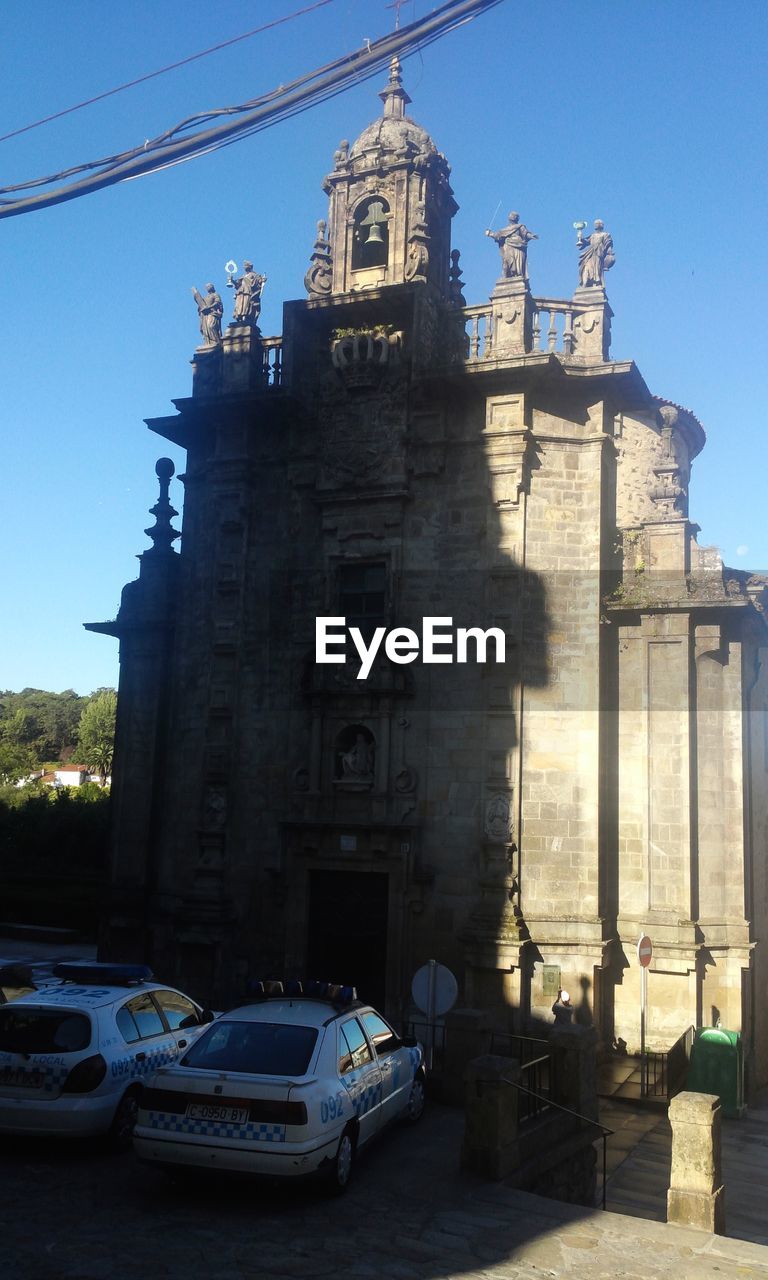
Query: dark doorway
[347, 931]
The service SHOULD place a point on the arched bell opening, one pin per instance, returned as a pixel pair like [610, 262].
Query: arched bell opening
[370, 239]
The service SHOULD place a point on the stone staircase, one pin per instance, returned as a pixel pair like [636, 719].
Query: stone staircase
[639, 1159]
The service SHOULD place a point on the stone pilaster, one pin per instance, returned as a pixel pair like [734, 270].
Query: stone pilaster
[242, 359]
[490, 1145]
[512, 317]
[592, 325]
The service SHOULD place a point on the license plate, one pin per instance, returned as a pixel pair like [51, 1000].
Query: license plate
[17, 1078]
[207, 1111]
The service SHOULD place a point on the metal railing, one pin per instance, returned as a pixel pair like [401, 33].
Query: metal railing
[663, 1072]
[421, 1030]
[605, 1132]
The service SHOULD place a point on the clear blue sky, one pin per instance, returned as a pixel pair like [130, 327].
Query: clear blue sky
[649, 115]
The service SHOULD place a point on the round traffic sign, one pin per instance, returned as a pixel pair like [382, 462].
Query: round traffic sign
[446, 989]
[644, 950]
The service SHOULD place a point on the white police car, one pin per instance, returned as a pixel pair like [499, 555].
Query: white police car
[73, 1055]
[294, 1083]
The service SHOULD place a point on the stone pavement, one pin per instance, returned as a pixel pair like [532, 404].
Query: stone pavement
[638, 1186]
[76, 1213]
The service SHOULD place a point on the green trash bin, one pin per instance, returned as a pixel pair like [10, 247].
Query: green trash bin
[717, 1066]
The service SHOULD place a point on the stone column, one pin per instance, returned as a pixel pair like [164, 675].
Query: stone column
[696, 1196]
[490, 1145]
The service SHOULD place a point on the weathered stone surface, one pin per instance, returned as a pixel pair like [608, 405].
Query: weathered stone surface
[607, 780]
[696, 1195]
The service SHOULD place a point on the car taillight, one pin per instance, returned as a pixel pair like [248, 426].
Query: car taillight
[86, 1076]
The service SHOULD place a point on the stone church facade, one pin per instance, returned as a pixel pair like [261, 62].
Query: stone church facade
[397, 455]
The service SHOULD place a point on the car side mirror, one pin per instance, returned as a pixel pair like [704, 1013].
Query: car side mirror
[409, 1042]
[207, 1015]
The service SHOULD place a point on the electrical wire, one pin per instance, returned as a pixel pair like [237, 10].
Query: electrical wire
[260, 113]
[173, 66]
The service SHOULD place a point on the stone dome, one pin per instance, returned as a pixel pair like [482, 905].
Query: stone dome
[392, 133]
[394, 130]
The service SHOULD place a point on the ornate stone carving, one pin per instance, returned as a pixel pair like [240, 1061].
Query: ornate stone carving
[210, 309]
[596, 256]
[513, 242]
[355, 761]
[341, 156]
[498, 818]
[318, 279]
[417, 259]
[214, 808]
[248, 289]
[361, 358]
[405, 780]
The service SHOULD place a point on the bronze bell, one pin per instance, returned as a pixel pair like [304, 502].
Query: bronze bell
[374, 235]
[374, 219]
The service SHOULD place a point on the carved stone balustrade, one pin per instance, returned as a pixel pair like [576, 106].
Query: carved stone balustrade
[576, 329]
[550, 332]
[273, 361]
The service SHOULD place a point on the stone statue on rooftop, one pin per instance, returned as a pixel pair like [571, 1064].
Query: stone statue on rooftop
[210, 310]
[595, 257]
[247, 289]
[513, 242]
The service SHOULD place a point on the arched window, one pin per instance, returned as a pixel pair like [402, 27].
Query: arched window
[370, 241]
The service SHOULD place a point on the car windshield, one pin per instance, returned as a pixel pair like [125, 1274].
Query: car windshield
[24, 1030]
[260, 1048]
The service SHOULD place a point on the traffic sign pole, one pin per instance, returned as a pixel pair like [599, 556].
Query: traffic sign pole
[643, 1006]
[644, 954]
[431, 985]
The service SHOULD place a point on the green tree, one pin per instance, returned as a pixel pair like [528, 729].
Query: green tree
[16, 761]
[96, 733]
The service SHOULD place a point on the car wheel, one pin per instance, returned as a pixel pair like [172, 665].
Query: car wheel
[123, 1121]
[343, 1164]
[416, 1101]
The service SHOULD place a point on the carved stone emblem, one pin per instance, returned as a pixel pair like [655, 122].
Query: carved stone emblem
[498, 818]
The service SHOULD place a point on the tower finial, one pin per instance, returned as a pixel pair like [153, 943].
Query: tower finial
[162, 533]
[394, 97]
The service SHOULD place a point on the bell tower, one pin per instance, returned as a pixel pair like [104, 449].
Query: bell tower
[390, 207]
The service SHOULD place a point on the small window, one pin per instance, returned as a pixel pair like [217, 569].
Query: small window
[353, 1047]
[363, 596]
[146, 1016]
[384, 1039]
[179, 1011]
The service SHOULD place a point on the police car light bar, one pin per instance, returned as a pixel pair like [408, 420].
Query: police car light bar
[94, 971]
[332, 992]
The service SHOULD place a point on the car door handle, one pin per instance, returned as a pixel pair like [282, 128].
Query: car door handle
[140, 1057]
[182, 1044]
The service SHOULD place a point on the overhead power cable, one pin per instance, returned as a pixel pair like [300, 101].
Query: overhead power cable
[173, 66]
[260, 113]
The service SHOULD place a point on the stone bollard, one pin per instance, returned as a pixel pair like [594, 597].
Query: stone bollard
[574, 1050]
[467, 1036]
[696, 1196]
[490, 1145]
